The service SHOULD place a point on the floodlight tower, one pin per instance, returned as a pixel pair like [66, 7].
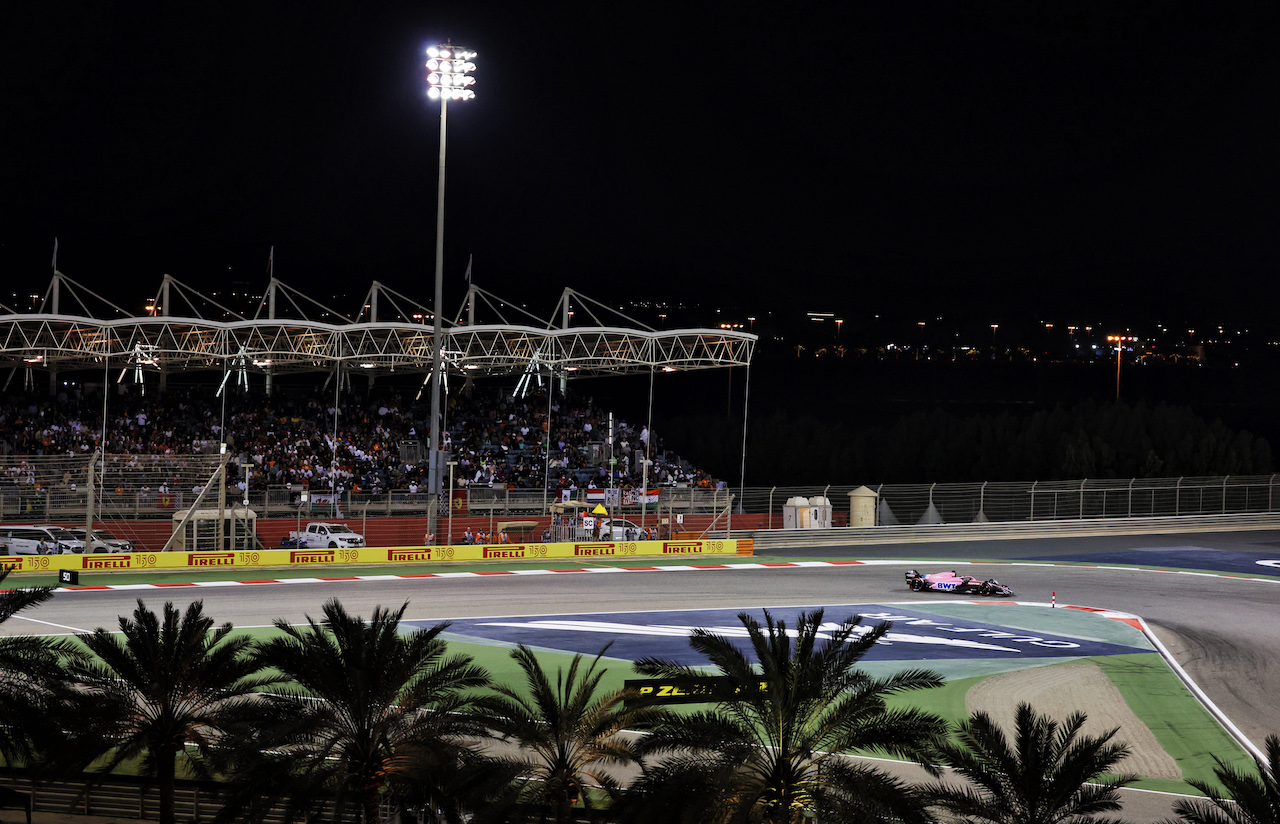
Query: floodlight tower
[448, 78]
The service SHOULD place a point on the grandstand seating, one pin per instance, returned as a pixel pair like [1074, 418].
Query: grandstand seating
[288, 440]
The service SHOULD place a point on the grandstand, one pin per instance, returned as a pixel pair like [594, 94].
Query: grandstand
[264, 436]
[290, 332]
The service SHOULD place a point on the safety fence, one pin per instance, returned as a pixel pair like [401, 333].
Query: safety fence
[36, 489]
[130, 797]
[1086, 499]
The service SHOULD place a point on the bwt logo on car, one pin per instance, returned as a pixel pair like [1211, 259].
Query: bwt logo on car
[118, 562]
[211, 559]
[681, 547]
[504, 552]
[408, 555]
[311, 556]
[593, 549]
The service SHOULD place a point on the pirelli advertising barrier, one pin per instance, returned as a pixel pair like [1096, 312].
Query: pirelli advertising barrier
[619, 550]
[706, 690]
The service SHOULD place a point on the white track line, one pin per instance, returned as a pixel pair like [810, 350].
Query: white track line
[728, 567]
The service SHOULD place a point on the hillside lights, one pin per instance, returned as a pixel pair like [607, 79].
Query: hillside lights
[449, 73]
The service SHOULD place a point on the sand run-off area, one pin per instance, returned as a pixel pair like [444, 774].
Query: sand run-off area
[1062, 689]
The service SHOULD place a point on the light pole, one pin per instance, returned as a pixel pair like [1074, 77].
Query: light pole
[1119, 342]
[448, 76]
[449, 502]
[644, 489]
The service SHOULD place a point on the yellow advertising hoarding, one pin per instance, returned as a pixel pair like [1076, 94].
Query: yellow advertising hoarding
[303, 557]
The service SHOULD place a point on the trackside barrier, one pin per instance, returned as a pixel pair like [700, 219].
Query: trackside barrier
[370, 555]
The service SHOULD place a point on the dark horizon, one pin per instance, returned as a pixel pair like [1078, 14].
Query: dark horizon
[1004, 159]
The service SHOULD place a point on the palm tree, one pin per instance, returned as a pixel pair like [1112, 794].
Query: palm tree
[29, 665]
[1250, 799]
[368, 709]
[569, 732]
[169, 681]
[1048, 774]
[771, 749]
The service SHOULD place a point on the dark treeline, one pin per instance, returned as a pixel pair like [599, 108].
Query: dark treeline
[1089, 439]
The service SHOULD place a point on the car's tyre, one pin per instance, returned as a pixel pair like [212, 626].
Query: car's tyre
[985, 589]
[916, 585]
[333, 545]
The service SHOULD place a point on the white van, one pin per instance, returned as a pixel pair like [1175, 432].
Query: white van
[39, 540]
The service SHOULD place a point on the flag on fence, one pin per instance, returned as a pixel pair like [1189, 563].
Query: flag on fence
[635, 496]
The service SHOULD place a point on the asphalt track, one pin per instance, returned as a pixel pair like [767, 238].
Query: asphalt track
[1224, 630]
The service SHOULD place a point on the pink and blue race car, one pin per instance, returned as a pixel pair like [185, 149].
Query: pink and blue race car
[951, 582]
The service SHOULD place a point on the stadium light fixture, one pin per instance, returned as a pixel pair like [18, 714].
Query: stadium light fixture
[449, 73]
[449, 69]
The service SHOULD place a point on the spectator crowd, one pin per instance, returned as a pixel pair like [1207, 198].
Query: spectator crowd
[370, 442]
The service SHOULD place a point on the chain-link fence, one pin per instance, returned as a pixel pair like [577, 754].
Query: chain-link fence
[124, 487]
[1029, 501]
[128, 490]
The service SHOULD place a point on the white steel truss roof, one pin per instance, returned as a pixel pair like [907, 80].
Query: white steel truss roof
[170, 343]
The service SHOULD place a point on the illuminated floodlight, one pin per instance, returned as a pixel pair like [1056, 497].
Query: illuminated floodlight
[449, 73]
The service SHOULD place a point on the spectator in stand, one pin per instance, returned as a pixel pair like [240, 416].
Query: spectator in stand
[289, 439]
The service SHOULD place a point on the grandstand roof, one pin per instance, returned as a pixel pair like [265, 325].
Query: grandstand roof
[186, 331]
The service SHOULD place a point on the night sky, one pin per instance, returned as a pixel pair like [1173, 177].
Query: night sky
[991, 158]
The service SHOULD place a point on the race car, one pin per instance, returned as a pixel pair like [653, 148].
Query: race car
[951, 582]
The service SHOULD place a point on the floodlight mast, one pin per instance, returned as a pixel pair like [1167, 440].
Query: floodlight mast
[448, 77]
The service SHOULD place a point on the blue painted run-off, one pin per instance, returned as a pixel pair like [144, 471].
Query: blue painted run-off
[915, 634]
[1179, 557]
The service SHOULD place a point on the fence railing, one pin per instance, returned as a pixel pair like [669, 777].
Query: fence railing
[127, 487]
[1085, 499]
[131, 797]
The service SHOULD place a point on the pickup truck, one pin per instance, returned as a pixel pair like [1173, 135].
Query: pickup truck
[319, 535]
